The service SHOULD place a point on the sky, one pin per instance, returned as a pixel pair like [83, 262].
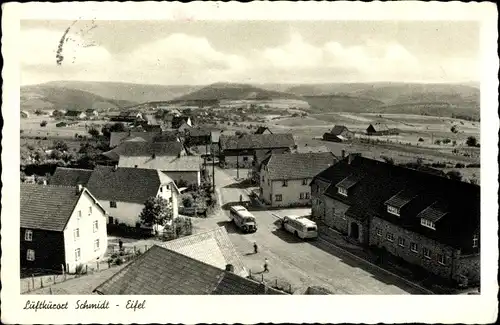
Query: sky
[204, 52]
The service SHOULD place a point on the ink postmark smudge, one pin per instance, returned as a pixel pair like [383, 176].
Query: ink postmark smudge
[65, 38]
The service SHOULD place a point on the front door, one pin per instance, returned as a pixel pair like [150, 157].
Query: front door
[354, 231]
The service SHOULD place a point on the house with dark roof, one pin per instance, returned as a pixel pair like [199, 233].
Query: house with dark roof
[181, 122]
[198, 136]
[25, 114]
[160, 271]
[185, 170]
[117, 138]
[424, 219]
[123, 192]
[137, 147]
[70, 176]
[129, 116]
[240, 150]
[61, 227]
[91, 112]
[75, 115]
[263, 130]
[379, 129]
[212, 247]
[285, 178]
[339, 133]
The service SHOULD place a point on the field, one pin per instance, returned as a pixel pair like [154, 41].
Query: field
[31, 127]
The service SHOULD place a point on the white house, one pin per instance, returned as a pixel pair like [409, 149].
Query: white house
[61, 227]
[285, 178]
[123, 191]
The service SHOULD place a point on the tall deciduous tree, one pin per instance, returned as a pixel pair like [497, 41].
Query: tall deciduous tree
[156, 212]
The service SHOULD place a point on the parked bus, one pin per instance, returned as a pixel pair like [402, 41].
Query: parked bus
[243, 219]
[300, 226]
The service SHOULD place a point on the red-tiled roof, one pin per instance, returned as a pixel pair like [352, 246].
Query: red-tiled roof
[161, 271]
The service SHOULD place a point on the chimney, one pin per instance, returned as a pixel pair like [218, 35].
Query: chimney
[44, 182]
[343, 153]
[229, 267]
[79, 188]
[153, 155]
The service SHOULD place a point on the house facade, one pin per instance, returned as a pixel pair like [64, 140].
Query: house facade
[424, 219]
[377, 129]
[70, 231]
[123, 192]
[285, 178]
[339, 133]
[239, 151]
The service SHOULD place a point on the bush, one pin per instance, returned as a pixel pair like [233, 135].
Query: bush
[459, 165]
[438, 142]
[182, 183]
[472, 141]
[80, 269]
[43, 123]
[454, 174]
[114, 255]
[388, 160]
[446, 141]
[474, 166]
[119, 261]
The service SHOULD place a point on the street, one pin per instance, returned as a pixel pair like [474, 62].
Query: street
[297, 263]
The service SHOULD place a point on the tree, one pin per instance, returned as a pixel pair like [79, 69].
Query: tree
[93, 132]
[38, 112]
[156, 212]
[43, 123]
[187, 201]
[454, 174]
[57, 113]
[472, 141]
[454, 129]
[60, 145]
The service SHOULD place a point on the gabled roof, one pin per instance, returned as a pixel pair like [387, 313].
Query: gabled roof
[378, 127]
[90, 110]
[433, 212]
[70, 176]
[401, 198]
[257, 141]
[199, 132]
[74, 113]
[130, 113]
[164, 163]
[140, 148]
[48, 207]
[161, 271]
[306, 149]
[381, 181]
[338, 129]
[297, 165]
[212, 247]
[120, 137]
[134, 185]
[262, 129]
[349, 181]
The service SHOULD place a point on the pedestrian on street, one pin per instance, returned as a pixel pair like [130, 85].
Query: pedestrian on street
[266, 265]
[255, 248]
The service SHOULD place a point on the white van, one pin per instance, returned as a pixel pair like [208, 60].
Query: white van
[300, 226]
[243, 219]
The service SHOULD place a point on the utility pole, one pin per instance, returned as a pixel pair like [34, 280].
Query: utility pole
[213, 167]
[238, 165]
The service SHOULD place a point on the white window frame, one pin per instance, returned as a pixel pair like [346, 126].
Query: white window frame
[393, 210]
[441, 259]
[276, 196]
[28, 235]
[79, 213]
[96, 245]
[401, 242]
[308, 195]
[342, 191]
[76, 234]
[304, 181]
[391, 235]
[78, 254]
[475, 241]
[95, 225]
[378, 231]
[111, 203]
[30, 255]
[301, 196]
[414, 245]
[427, 223]
[90, 210]
[424, 250]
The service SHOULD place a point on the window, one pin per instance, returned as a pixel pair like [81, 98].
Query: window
[390, 237]
[245, 158]
[475, 241]
[414, 247]
[110, 220]
[278, 197]
[30, 255]
[96, 245]
[401, 242]
[301, 196]
[427, 252]
[427, 223]
[285, 183]
[161, 189]
[304, 182]
[379, 232]
[28, 235]
[168, 187]
[308, 196]
[112, 204]
[77, 254]
[79, 214]
[96, 226]
[263, 179]
[76, 233]
[441, 259]
[342, 191]
[90, 211]
[393, 210]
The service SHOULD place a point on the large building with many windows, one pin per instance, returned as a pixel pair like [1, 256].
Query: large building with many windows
[423, 219]
[61, 227]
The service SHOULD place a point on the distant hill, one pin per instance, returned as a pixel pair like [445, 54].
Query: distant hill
[51, 97]
[341, 103]
[233, 91]
[138, 93]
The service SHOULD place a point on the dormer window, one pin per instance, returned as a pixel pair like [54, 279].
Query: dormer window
[475, 241]
[342, 191]
[393, 210]
[428, 224]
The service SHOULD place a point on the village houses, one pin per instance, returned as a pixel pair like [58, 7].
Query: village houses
[285, 178]
[75, 115]
[61, 227]
[423, 219]
[339, 133]
[240, 150]
[140, 148]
